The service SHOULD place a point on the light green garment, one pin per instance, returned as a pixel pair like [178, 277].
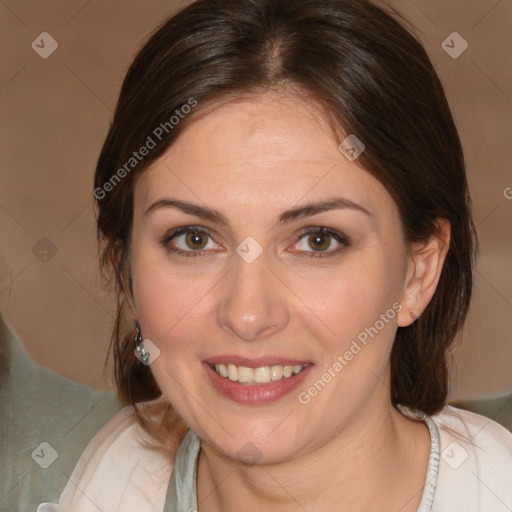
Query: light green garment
[38, 406]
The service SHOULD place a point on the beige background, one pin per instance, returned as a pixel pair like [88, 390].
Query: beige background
[56, 113]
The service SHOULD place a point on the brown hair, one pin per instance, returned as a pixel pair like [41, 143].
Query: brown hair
[371, 76]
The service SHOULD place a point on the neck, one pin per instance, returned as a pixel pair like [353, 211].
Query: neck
[378, 463]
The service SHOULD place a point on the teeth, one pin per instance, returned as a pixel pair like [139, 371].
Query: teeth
[276, 372]
[232, 372]
[262, 375]
[245, 374]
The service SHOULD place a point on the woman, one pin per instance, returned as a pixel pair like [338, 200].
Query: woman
[283, 203]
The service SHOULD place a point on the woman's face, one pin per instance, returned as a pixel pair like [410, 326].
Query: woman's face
[260, 248]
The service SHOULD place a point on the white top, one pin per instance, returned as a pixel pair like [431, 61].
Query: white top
[469, 470]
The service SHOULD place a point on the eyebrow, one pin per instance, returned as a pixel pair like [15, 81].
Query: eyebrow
[214, 216]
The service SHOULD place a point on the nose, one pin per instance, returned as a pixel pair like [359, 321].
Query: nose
[253, 301]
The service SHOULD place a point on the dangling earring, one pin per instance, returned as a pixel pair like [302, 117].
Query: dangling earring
[140, 351]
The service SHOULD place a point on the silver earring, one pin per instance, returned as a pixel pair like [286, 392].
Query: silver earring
[413, 316]
[139, 346]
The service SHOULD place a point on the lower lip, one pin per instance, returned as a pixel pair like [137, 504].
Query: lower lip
[257, 393]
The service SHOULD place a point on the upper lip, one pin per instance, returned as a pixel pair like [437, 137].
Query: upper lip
[256, 362]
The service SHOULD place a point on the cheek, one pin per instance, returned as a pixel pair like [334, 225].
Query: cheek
[169, 305]
[167, 300]
[172, 313]
[359, 305]
[361, 312]
[354, 296]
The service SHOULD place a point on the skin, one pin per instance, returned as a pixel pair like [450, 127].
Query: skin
[251, 160]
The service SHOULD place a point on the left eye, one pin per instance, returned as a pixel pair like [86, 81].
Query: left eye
[320, 241]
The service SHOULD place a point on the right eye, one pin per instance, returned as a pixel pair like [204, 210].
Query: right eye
[189, 241]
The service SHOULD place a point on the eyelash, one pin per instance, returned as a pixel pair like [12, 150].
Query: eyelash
[339, 237]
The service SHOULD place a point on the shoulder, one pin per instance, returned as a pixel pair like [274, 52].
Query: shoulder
[475, 464]
[118, 471]
[480, 435]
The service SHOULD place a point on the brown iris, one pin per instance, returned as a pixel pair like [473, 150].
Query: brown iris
[319, 241]
[196, 240]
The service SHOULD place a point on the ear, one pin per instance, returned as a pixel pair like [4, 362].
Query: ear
[423, 273]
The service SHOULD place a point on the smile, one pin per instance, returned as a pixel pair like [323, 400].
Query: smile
[261, 375]
[255, 381]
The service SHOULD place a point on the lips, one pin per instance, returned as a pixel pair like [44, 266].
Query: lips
[255, 381]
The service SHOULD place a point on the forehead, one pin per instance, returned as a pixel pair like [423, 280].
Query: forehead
[261, 151]
[273, 128]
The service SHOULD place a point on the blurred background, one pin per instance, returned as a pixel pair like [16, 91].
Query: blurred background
[62, 66]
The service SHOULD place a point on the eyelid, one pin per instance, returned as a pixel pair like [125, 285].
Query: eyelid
[184, 230]
[342, 239]
[337, 235]
[181, 230]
